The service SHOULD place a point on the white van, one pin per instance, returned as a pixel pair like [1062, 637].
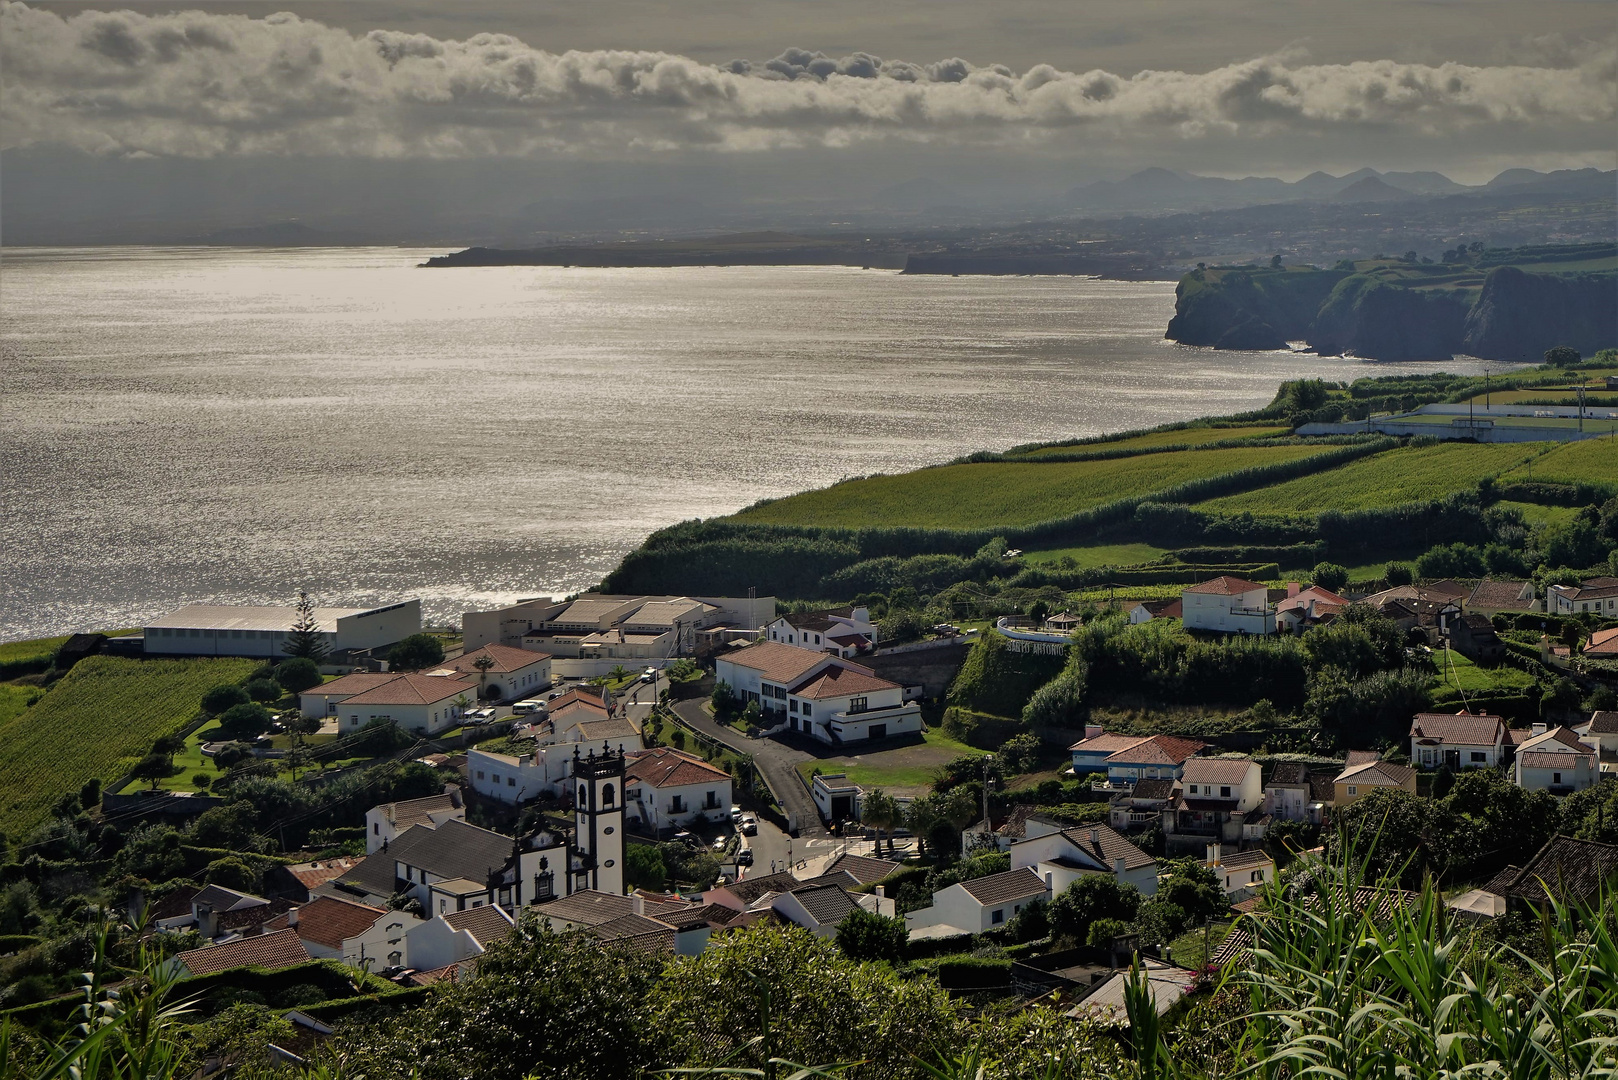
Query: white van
[524, 708]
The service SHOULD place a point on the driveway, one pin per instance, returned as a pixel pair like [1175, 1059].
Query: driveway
[777, 762]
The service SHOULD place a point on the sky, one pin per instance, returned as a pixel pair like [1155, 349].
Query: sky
[799, 99]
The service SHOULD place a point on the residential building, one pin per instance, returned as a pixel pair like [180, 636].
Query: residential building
[548, 769]
[425, 704]
[212, 903]
[1457, 741]
[864, 869]
[591, 624]
[1023, 821]
[971, 907]
[1229, 605]
[1473, 636]
[1061, 858]
[227, 630]
[1138, 806]
[326, 699]
[1290, 794]
[819, 909]
[1243, 873]
[762, 672]
[1306, 607]
[843, 704]
[1128, 758]
[1357, 780]
[1105, 1004]
[1489, 597]
[666, 788]
[1597, 594]
[1603, 645]
[845, 632]
[1568, 870]
[298, 881]
[325, 923]
[1556, 760]
[1217, 797]
[510, 675]
[1601, 732]
[281, 949]
[384, 822]
[1147, 610]
[451, 938]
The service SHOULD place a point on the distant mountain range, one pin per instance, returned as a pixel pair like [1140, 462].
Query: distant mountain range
[1167, 190]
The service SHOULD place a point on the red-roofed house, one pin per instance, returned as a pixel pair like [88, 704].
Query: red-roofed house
[515, 673]
[843, 704]
[667, 787]
[1229, 605]
[1150, 758]
[1557, 761]
[269, 951]
[426, 704]
[1457, 740]
[1306, 607]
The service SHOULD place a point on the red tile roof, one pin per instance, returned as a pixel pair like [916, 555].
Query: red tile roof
[357, 683]
[310, 874]
[505, 659]
[1108, 743]
[1383, 773]
[328, 921]
[1230, 771]
[782, 663]
[1461, 728]
[1225, 585]
[663, 767]
[414, 689]
[1159, 750]
[486, 924]
[278, 950]
[1603, 643]
[841, 682]
[1552, 759]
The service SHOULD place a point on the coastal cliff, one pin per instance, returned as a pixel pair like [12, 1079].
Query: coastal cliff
[1390, 310]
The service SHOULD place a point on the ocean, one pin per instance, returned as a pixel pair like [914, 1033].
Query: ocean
[230, 425]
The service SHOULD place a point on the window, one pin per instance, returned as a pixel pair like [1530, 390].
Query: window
[1256, 875]
[480, 774]
[1352, 790]
[511, 781]
[1224, 791]
[806, 709]
[395, 958]
[856, 705]
[877, 731]
[1193, 789]
[817, 639]
[607, 795]
[443, 905]
[712, 801]
[998, 916]
[376, 828]
[1556, 778]
[792, 706]
[496, 778]
[584, 795]
[676, 804]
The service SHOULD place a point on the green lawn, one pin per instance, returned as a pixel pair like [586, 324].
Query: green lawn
[1191, 948]
[1408, 474]
[904, 770]
[1592, 461]
[1184, 437]
[35, 648]
[1455, 670]
[1535, 514]
[995, 494]
[1100, 555]
[13, 700]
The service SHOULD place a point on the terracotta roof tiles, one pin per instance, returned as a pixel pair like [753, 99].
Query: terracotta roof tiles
[278, 950]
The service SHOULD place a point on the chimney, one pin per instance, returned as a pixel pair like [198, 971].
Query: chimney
[637, 903]
[1539, 729]
[881, 892]
[1213, 854]
[1292, 589]
[1118, 866]
[1092, 731]
[1095, 836]
[292, 916]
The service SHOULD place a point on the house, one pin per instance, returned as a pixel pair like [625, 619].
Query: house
[971, 907]
[559, 627]
[1216, 797]
[1457, 741]
[1105, 1004]
[1147, 610]
[1021, 822]
[548, 769]
[212, 902]
[384, 822]
[425, 704]
[1489, 597]
[1601, 732]
[1358, 779]
[665, 788]
[451, 938]
[1243, 873]
[226, 630]
[325, 923]
[1571, 871]
[298, 882]
[1472, 635]
[1139, 806]
[819, 909]
[281, 949]
[836, 797]
[323, 700]
[1229, 605]
[843, 704]
[761, 673]
[508, 675]
[1290, 794]
[1597, 594]
[1306, 607]
[1556, 760]
[1128, 758]
[862, 868]
[1603, 645]
[845, 632]
[1061, 858]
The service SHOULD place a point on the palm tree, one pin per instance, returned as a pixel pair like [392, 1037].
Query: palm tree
[879, 810]
[483, 664]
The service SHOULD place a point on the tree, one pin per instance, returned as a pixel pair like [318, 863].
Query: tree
[263, 690]
[230, 826]
[222, 697]
[1284, 839]
[1390, 830]
[483, 664]
[1562, 356]
[306, 639]
[1031, 923]
[1102, 931]
[167, 745]
[1092, 897]
[1330, 576]
[1193, 888]
[722, 701]
[299, 725]
[421, 651]
[245, 721]
[230, 754]
[1061, 701]
[1396, 573]
[153, 767]
[865, 935]
[297, 674]
[644, 867]
[232, 873]
[879, 811]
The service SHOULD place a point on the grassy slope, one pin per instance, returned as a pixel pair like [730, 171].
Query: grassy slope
[993, 494]
[906, 770]
[1456, 671]
[37, 648]
[1396, 476]
[1183, 436]
[97, 722]
[1593, 461]
[1535, 514]
[12, 703]
[1099, 555]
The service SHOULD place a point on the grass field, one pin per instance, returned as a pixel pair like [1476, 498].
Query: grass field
[1593, 398]
[36, 648]
[1456, 671]
[1409, 474]
[902, 770]
[1592, 461]
[1100, 555]
[1535, 514]
[13, 700]
[1184, 437]
[995, 494]
[97, 722]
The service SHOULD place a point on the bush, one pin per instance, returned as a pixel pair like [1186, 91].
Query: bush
[246, 721]
[201, 780]
[263, 690]
[232, 873]
[223, 697]
[1102, 931]
[865, 935]
[415, 652]
[1060, 702]
[1092, 897]
[1330, 576]
[297, 674]
[1396, 573]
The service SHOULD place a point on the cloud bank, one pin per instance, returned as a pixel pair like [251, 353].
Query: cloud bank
[195, 84]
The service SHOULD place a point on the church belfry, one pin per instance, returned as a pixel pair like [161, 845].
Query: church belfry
[598, 821]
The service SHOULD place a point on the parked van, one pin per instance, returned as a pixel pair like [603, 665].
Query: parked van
[527, 707]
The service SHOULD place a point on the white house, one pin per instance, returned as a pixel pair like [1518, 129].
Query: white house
[844, 704]
[548, 769]
[1556, 760]
[335, 929]
[1243, 873]
[1061, 858]
[449, 938]
[665, 787]
[384, 823]
[559, 627]
[1233, 780]
[1457, 741]
[1147, 610]
[1601, 732]
[1228, 605]
[1220, 800]
[1598, 595]
[1290, 794]
[1304, 607]
[227, 630]
[844, 632]
[761, 673]
[512, 674]
[971, 907]
[817, 908]
[1128, 758]
[425, 704]
[326, 699]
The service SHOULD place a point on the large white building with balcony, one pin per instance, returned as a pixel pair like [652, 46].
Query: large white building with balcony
[818, 694]
[1228, 605]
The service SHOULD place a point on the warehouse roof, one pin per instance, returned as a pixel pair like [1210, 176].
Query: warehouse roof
[232, 617]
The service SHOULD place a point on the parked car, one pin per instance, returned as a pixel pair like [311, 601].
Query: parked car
[719, 843]
[527, 706]
[749, 825]
[688, 840]
[744, 857]
[648, 675]
[735, 812]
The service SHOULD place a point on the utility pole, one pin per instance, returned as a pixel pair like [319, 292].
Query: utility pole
[988, 826]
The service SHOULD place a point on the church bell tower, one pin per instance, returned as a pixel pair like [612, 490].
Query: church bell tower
[598, 821]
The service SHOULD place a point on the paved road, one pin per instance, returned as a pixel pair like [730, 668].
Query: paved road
[776, 761]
